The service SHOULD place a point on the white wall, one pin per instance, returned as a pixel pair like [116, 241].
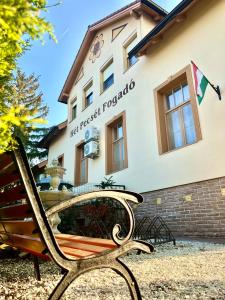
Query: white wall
[200, 38]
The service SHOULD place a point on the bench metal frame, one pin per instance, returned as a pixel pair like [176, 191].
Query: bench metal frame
[74, 268]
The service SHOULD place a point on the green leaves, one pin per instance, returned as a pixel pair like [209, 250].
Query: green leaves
[23, 92]
[10, 119]
[17, 19]
[20, 23]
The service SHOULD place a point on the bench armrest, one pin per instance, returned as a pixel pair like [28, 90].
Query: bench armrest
[120, 196]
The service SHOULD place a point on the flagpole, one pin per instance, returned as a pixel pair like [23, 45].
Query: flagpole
[216, 88]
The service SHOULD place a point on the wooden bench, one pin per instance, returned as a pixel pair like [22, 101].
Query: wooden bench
[24, 224]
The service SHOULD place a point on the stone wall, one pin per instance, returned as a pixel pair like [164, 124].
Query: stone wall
[192, 210]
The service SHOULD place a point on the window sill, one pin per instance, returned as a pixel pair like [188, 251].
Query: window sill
[130, 67]
[86, 107]
[76, 185]
[115, 171]
[177, 149]
[102, 92]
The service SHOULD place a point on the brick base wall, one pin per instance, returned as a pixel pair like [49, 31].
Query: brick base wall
[192, 210]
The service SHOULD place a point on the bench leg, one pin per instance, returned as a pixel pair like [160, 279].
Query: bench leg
[36, 268]
[110, 261]
[117, 266]
[121, 269]
[67, 279]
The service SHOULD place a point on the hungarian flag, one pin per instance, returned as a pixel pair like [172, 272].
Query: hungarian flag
[201, 83]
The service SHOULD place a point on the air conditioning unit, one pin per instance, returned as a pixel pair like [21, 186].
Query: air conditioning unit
[91, 133]
[91, 149]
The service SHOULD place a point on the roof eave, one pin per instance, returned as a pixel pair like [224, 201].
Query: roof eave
[155, 34]
[155, 7]
[54, 132]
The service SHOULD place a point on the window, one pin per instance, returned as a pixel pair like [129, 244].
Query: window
[73, 109]
[61, 160]
[81, 168]
[88, 94]
[130, 61]
[107, 76]
[176, 112]
[116, 144]
[179, 117]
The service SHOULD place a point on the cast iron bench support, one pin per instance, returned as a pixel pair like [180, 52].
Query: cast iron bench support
[24, 224]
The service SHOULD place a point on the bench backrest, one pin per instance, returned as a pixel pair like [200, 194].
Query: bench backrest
[21, 212]
[23, 222]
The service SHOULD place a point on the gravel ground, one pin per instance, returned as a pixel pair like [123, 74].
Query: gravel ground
[190, 270]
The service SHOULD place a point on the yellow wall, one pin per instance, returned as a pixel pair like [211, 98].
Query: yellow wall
[200, 38]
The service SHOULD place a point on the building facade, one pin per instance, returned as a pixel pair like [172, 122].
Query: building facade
[133, 82]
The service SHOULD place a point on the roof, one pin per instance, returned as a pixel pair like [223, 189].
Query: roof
[147, 6]
[53, 133]
[175, 16]
[40, 166]
[156, 8]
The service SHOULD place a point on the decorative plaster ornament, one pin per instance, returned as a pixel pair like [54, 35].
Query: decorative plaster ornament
[95, 50]
[116, 31]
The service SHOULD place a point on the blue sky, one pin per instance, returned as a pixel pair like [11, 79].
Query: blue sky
[53, 61]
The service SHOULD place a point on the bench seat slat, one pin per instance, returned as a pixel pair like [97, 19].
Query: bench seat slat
[12, 195]
[87, 240]
[18, 211]
[76, 245]
[6, 160]
[31, 251]
[76, 252]
[25, 243]
[73, 249]
[8, 178]
[9, 169]
[18, 227]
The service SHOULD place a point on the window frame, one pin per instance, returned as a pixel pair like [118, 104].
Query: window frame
[102, 70]
[109, 128]
[79, 148]
[130, 40]
[61, 160]
[85, 96]
[73, 103]
[72, 112]
[160, 95]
